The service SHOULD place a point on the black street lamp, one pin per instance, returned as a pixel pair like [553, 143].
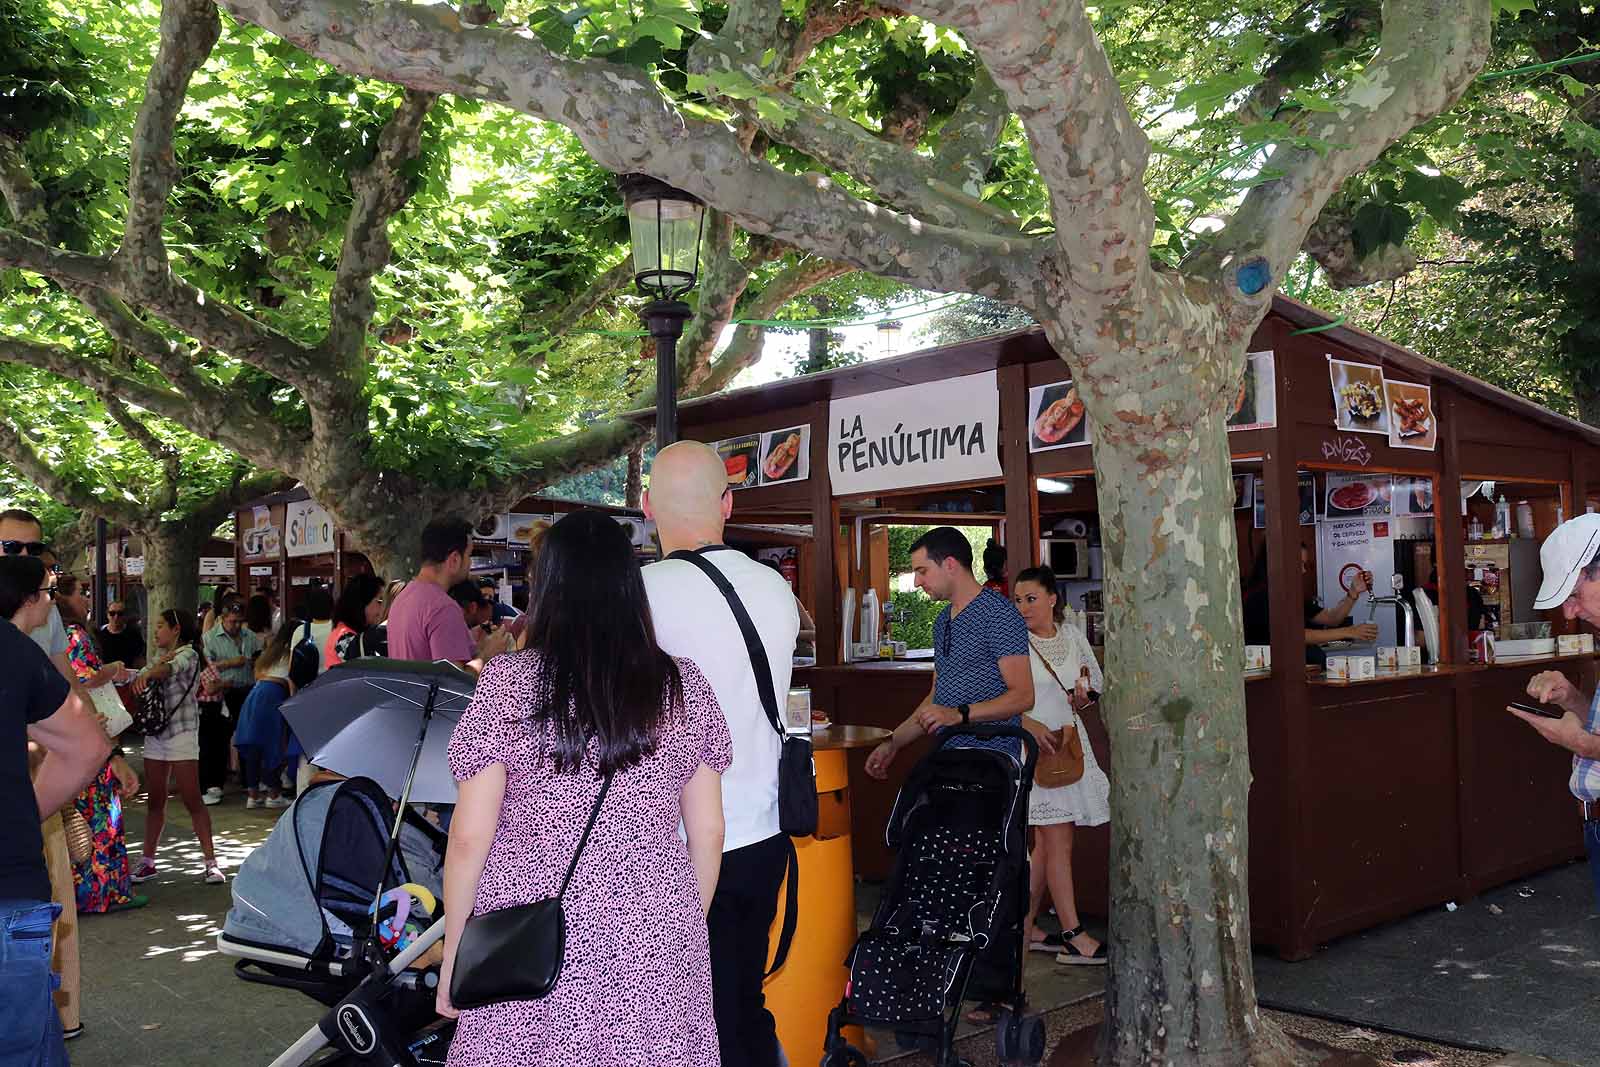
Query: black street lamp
[665, 225]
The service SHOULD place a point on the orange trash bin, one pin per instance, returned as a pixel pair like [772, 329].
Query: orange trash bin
[812, 979]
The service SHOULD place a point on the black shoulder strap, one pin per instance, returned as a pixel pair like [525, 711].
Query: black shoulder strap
[791, 911]
[752, 640]
[594, 813]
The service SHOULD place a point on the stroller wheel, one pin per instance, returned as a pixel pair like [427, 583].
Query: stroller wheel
[1019, 1038]
[844, 1056]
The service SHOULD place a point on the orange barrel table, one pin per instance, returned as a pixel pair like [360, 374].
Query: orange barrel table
[812, 980]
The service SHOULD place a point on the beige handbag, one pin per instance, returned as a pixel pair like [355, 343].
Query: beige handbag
[80, 839]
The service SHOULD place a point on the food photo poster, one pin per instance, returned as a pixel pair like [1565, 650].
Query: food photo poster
[740, 457]
[1056, 418]
[786, 455]
[1352, 495]
[1358, 398]
[1255, 406]
[1411, 420]
[1307, 486]
[1244, 496]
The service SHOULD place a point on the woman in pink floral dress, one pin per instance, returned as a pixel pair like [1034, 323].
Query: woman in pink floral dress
[592, 693]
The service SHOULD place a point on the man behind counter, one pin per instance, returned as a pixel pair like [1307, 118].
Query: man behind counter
[1323, 625]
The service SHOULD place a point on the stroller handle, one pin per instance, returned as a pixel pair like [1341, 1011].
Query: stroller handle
[987, 731]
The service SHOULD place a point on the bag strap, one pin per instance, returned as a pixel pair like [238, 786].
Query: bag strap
[1044, 660]
[791, 912]
[752, 641]
[594, 813]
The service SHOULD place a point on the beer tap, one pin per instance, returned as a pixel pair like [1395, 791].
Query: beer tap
[1398, 598]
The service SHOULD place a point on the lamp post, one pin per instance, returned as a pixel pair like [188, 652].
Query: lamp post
[889, 336]
[664, 224]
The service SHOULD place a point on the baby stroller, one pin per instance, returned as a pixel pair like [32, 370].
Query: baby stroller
[302, 919]
[949, 926]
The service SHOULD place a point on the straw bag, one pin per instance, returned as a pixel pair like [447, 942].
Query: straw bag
[80, 839]
[1064, 766]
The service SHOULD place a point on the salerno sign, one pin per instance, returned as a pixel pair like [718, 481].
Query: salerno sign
[938, 433]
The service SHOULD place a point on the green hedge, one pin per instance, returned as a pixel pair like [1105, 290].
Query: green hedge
[915, 612]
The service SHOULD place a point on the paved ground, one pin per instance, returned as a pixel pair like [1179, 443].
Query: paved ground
[157, 993]
[1518, 969]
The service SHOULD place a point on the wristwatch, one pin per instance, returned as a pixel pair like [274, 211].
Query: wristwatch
[966, 714]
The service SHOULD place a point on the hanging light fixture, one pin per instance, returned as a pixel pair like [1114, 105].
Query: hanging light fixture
[665, 225]
[889, 336]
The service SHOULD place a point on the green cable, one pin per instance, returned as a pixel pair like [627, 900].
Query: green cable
[801, 324]
[1319, 329]
[1552, 65]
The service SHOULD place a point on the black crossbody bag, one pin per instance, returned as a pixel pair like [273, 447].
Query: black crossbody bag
[515, 953]
[797, 770]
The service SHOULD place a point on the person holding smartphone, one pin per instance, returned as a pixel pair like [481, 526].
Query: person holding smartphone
[1570, 560]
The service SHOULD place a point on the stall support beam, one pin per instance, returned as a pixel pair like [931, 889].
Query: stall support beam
[825, 533]
[1022, 532]
[1450, 550]
[99, 573]
[1286, 590]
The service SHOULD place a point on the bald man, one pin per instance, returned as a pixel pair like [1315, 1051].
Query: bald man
[690, 501]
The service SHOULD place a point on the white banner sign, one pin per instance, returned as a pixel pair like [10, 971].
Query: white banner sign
[934, 434]
[133, 567]
[310, 528]
[216, 567]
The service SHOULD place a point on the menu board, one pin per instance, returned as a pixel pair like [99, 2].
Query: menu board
[1350, 495]
[769, 458]
[309, 529]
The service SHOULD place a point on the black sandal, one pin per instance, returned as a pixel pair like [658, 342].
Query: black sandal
[1071, 956]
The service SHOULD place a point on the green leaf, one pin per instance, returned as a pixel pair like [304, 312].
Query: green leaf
[1378, 225]
[1512, 8]
[654, 26]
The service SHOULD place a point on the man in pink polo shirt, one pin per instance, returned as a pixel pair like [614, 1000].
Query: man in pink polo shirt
[424, 623]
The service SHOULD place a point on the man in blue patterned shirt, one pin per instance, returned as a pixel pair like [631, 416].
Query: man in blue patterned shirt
[980, 650]
[1570, 559]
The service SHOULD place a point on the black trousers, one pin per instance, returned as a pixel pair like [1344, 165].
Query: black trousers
[216, 735]
[739, 922]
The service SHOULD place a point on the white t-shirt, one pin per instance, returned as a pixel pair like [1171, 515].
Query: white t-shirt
[692, 619]
[319, 634]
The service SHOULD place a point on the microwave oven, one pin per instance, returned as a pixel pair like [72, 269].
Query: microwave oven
[1067, 557]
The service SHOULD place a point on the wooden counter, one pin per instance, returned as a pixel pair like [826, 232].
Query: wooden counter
[1409, 789]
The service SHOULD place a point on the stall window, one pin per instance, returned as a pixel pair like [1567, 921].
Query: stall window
[1503, 525]
[1373, 529]
[1069, 544]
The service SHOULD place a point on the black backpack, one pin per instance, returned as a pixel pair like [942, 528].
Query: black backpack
[305, 661]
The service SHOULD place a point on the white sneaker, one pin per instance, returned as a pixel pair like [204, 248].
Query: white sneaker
[251, 803]
[212, 796]
[277, 802]
[214, 875]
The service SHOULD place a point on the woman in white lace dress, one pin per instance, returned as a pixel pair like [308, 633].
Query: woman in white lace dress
[1059, 653]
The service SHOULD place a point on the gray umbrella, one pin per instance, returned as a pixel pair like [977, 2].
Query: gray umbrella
[385, 719]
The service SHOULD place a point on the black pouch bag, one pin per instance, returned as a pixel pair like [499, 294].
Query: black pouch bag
[515, 953]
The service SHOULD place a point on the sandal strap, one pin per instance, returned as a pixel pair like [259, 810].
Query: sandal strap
[1068, 935]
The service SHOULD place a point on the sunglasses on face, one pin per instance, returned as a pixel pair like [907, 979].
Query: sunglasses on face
[21, 548]
[114, 612]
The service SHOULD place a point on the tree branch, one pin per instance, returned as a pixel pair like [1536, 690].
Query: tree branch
[748, 340]
[1331, 242]
[616, 278]
[189, 30]
[627, 125]
[966, 142]
[723, 284]
[1089, 150]
[158, 450]
[209, 415]
[1428, 53]
[381, 191]
[24, 197]
[20, 454]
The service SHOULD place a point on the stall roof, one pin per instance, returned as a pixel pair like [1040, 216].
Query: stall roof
[1030, 346]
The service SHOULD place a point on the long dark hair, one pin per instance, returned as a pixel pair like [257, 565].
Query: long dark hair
[603, 678]
[258, 614]
[359, 591]
[1044, 578]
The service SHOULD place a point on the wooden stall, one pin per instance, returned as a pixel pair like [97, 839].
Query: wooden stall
[1371, 799]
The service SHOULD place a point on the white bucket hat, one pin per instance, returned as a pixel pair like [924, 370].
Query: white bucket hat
[1563, 556]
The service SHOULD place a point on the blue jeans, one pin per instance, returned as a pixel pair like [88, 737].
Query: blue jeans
[1591, 842]
[30, 1028]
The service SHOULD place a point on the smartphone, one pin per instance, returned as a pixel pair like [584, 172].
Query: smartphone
[1542, 710]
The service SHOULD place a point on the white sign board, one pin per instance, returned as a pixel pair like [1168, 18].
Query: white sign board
[310, 528]
[133, 567]
[1346, 546]
[261, 572]
[216, 567]
[933, 434]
